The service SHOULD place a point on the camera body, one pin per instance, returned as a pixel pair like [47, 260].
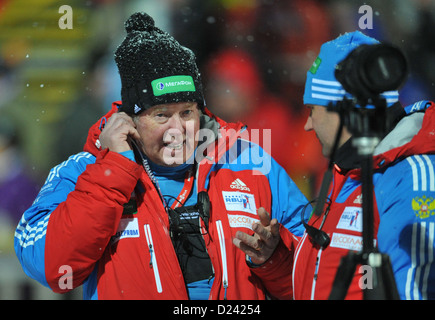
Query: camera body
[368, 73]
[370, 70]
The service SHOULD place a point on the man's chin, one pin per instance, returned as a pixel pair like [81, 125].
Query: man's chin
[175, 157]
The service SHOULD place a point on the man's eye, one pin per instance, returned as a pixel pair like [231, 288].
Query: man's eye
[160, 117]
[310, 109]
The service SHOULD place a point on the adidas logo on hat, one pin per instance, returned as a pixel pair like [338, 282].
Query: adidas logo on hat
[137, 109]
[239, 184]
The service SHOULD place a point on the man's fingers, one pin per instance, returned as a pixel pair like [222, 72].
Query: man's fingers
[274, 227]
[134, 133]
[116, 132]
[250, 241]
[262, 244]
[262, 232]
[250, 251]
[264, 216]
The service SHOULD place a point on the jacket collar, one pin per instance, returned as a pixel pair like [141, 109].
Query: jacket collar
[408, 135]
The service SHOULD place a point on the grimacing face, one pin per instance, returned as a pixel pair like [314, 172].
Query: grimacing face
[168, 132]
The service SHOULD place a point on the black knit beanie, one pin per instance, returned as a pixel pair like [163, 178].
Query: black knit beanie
[154, 68]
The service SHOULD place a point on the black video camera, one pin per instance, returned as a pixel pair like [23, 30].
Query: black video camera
[370, 70]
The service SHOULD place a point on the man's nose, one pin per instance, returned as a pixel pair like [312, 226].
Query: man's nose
[175, 130]
[175, 122]
[308, 124]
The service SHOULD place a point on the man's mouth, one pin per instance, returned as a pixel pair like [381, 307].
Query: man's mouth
[175, 146]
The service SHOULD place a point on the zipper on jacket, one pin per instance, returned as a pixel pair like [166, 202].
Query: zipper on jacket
[223, 256]
[316, 272]
[153, 260]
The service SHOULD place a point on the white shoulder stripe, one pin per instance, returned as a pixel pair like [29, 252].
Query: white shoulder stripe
[430, 171]
[28, 235]
[423, 174]
[55, 171]
[414, 173]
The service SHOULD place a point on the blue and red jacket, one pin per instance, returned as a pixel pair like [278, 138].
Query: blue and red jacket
[404, 215]
[76, 232]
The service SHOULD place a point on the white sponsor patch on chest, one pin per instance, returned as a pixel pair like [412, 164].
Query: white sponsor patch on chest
[241, 221]
[127, 228]
[346, 241]
[351, 219]
[239, 201]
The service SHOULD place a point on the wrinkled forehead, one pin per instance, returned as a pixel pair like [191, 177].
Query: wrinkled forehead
[170, 107]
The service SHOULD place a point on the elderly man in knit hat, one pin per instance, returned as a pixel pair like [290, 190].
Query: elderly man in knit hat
[150, 208]
[404, 189]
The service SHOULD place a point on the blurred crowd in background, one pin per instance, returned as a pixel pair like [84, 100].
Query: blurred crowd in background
[253, 55]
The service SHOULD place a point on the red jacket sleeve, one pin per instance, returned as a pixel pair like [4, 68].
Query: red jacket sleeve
[80, 228]
[276, 272]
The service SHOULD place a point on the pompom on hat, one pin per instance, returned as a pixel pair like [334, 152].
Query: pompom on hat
[154, 68]
[321, 86]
